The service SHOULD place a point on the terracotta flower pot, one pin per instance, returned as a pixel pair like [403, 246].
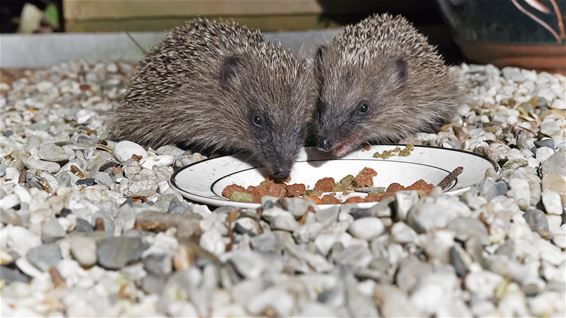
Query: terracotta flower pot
[524, 33]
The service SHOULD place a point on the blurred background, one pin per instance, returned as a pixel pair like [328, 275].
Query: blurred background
[525, 33]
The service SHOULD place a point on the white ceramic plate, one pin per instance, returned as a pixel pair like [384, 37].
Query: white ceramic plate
[204, 181]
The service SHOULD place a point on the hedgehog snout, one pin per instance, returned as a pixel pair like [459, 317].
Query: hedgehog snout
[323, 144]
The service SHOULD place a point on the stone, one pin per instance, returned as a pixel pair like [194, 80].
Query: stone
[402, 233]
[543, 153]
[297, 206]
[9, 201]
[158, 265]
[410, 271]
[327, 216]
[52, 152]
[520, 191]
[124, 150]
[285, 222]
[513, 74]
[11, 275]
[275, 300]
[366, 228]
[18, 239]
[86, 182]
[51, 167]
[404, 201]
[549, 143]
[213, 242]
[152, 284]
[552, 202]
[461, 261]
[467, 228]
[248, 264]
[117, 252]
[395, 302]
[483, 283]
[267, 243]
[537, 221]
[436, 214]
[83, 226]
[52, 230]
[44, 256]
[10, 217]
[83, 249]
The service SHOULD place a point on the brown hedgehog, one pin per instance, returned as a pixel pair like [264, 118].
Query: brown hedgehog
[380, 80]
[219, 86]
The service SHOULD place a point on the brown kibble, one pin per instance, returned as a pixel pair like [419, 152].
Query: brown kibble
[99, 224]
[295, 190]
[227, 192]
[355, 199]
[394, 187]
[421, 185]
[325, 185]
[314, 198]
[365, 178]
[378, 196]
[329, 199]
[271, 188]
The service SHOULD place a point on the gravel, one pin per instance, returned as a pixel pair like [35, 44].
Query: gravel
[90, 226]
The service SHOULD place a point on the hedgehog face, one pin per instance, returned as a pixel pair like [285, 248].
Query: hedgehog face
[275, 108]
[358, 102]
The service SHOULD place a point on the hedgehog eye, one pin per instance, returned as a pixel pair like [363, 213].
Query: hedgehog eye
[257, 120]
[363, 107]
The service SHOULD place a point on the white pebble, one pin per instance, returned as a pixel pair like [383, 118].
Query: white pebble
[366, 228]
[124, 150]
[551, 201]
[544, 153]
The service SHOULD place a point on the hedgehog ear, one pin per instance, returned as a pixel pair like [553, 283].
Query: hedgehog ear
[229, 68]
[401, 72]
[318, 61]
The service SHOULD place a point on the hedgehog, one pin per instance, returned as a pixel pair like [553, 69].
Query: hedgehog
[379, 81]
[219, 86]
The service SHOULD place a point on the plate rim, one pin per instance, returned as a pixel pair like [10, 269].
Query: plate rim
[174, 185]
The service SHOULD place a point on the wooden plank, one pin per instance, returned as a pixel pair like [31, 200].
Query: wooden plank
[264, 23]
[94, 9]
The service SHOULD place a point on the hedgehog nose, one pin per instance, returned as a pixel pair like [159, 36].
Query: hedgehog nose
[323, 144]
[281, 174]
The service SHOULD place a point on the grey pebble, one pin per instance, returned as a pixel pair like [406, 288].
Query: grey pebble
[159, 265]
[545, 143]
[103, 178]
[267, 242]
[536, 220]
[86, 181]
[52, 152]
[83, 226]
[44, 256]
[11, 275]
[117, 252]
[177, 207]
[410, 271]
[152, 284]
[466, 228]
[327, 216]
[460, 260]
[51, 231]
